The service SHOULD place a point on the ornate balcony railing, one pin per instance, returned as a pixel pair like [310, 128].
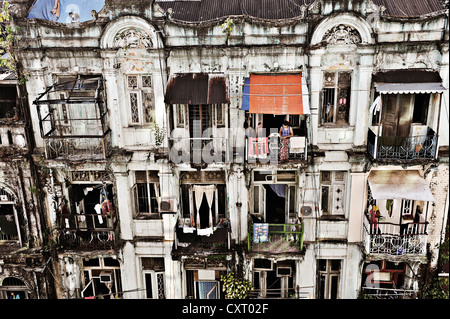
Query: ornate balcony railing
[191, 240]
[78, 148]
[275, 238]
[402, 148]
[89, 231]
[395, 239]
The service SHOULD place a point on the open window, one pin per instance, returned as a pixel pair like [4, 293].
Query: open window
[8, 101]
[336, 97]
[154, 279]
[329, 272]
[273, 280]
[146, 194]
[13, 288]
[332, 192]
[9, 227]
[101, 278]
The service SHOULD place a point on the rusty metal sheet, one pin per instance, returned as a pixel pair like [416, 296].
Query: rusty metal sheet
[276, 94]
[399, 184]
[410, 8]
[197, 88]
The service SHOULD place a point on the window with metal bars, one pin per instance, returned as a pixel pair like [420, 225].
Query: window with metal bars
[146, 194]
[336, 98]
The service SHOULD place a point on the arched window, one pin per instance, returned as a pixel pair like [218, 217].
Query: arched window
[8, 217]
[13, 288]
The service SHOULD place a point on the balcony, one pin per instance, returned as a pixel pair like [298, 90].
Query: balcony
[421, 147]
[272, 150]
[275, 238]
[87, 231]
[199, 150]
[73, 119]
[190, 240]
[395, 239]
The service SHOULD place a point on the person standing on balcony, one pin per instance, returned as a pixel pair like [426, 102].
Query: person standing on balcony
[286, 133]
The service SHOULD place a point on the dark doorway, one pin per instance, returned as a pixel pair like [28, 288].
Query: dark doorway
[275, 204]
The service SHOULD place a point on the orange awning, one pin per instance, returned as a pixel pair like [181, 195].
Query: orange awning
[276, 94]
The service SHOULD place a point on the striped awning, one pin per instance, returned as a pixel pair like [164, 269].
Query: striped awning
[276, 94]
[408, 81]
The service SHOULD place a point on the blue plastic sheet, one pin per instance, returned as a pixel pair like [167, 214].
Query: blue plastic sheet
[42, 10]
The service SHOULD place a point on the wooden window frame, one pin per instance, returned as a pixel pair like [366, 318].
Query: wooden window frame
[140, 90]
[333, 186]
[333, 90]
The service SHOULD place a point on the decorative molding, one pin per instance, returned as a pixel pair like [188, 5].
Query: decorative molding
[342, 34]
[133, 38]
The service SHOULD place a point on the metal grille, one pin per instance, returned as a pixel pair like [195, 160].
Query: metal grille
[147, 105]
[132, 81]
[146, 81]
[134, 107]
[160, 280]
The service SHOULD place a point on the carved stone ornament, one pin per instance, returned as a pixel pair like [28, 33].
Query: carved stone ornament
[342, 34]
[132, 38]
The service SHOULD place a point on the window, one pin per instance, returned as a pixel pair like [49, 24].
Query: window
[8, 100]
[329, 277]
[189, 207]
[153, 272]
[8, 226]
[332, 190]
[101, 278]
[336, 98]
[140, 99]
[275, 203]
[13, 288]
[146, 193]
[273, 280]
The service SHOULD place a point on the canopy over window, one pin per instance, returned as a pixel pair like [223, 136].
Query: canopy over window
[408, 81]
[277, 94]
[197, 88]
[399, 184]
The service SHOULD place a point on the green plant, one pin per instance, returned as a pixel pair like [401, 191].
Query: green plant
[8, 40]
[235, 288]
[159, 133]
[227, 27]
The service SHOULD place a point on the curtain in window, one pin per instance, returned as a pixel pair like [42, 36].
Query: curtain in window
[209, 191]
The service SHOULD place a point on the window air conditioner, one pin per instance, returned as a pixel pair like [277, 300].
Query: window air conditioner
[284, 271]
[167, 205]
[106, 276]
[306, 210]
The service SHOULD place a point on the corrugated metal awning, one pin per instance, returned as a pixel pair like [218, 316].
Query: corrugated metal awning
[275, 94]
[197, 88]
[399, 184]
[408, 81]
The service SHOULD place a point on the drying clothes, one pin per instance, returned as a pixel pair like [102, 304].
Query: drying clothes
[258, 146]
[107, 208]
[389, 204]
[98, 209]
[205, 232]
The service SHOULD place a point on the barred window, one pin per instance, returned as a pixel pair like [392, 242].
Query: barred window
[336, 98]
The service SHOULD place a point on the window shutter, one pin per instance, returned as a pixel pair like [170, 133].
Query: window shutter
[135, 200]
[325, 193]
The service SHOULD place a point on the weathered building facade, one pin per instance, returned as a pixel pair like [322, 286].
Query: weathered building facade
[159, 122]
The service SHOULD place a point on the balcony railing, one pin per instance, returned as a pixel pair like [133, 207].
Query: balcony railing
[271, 149]
[191, 240]
[199, 150]
[90, 231]
[402, 148]
[395, 239]
[78, 148]
[275, 238]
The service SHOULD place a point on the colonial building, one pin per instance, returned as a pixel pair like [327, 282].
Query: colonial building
[165, 162]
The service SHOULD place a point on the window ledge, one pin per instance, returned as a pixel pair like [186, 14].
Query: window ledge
[333, 218]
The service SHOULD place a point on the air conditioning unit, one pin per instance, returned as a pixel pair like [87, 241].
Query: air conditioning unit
[106, 277]
[167, 205]
[284, 271]
[306, 210]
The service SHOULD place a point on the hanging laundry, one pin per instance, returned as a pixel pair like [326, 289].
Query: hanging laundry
[98, 209]
[389, 204]
[107, 208]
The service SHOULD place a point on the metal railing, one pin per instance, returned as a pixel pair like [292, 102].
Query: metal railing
[281, 238]
[395, 239]
[199, 150]
[87, 231]
[78, 148]
[271, 149]
[387, 293]
[218, 240]
[402, 148]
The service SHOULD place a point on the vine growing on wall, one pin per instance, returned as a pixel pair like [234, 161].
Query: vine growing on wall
[8, 42]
